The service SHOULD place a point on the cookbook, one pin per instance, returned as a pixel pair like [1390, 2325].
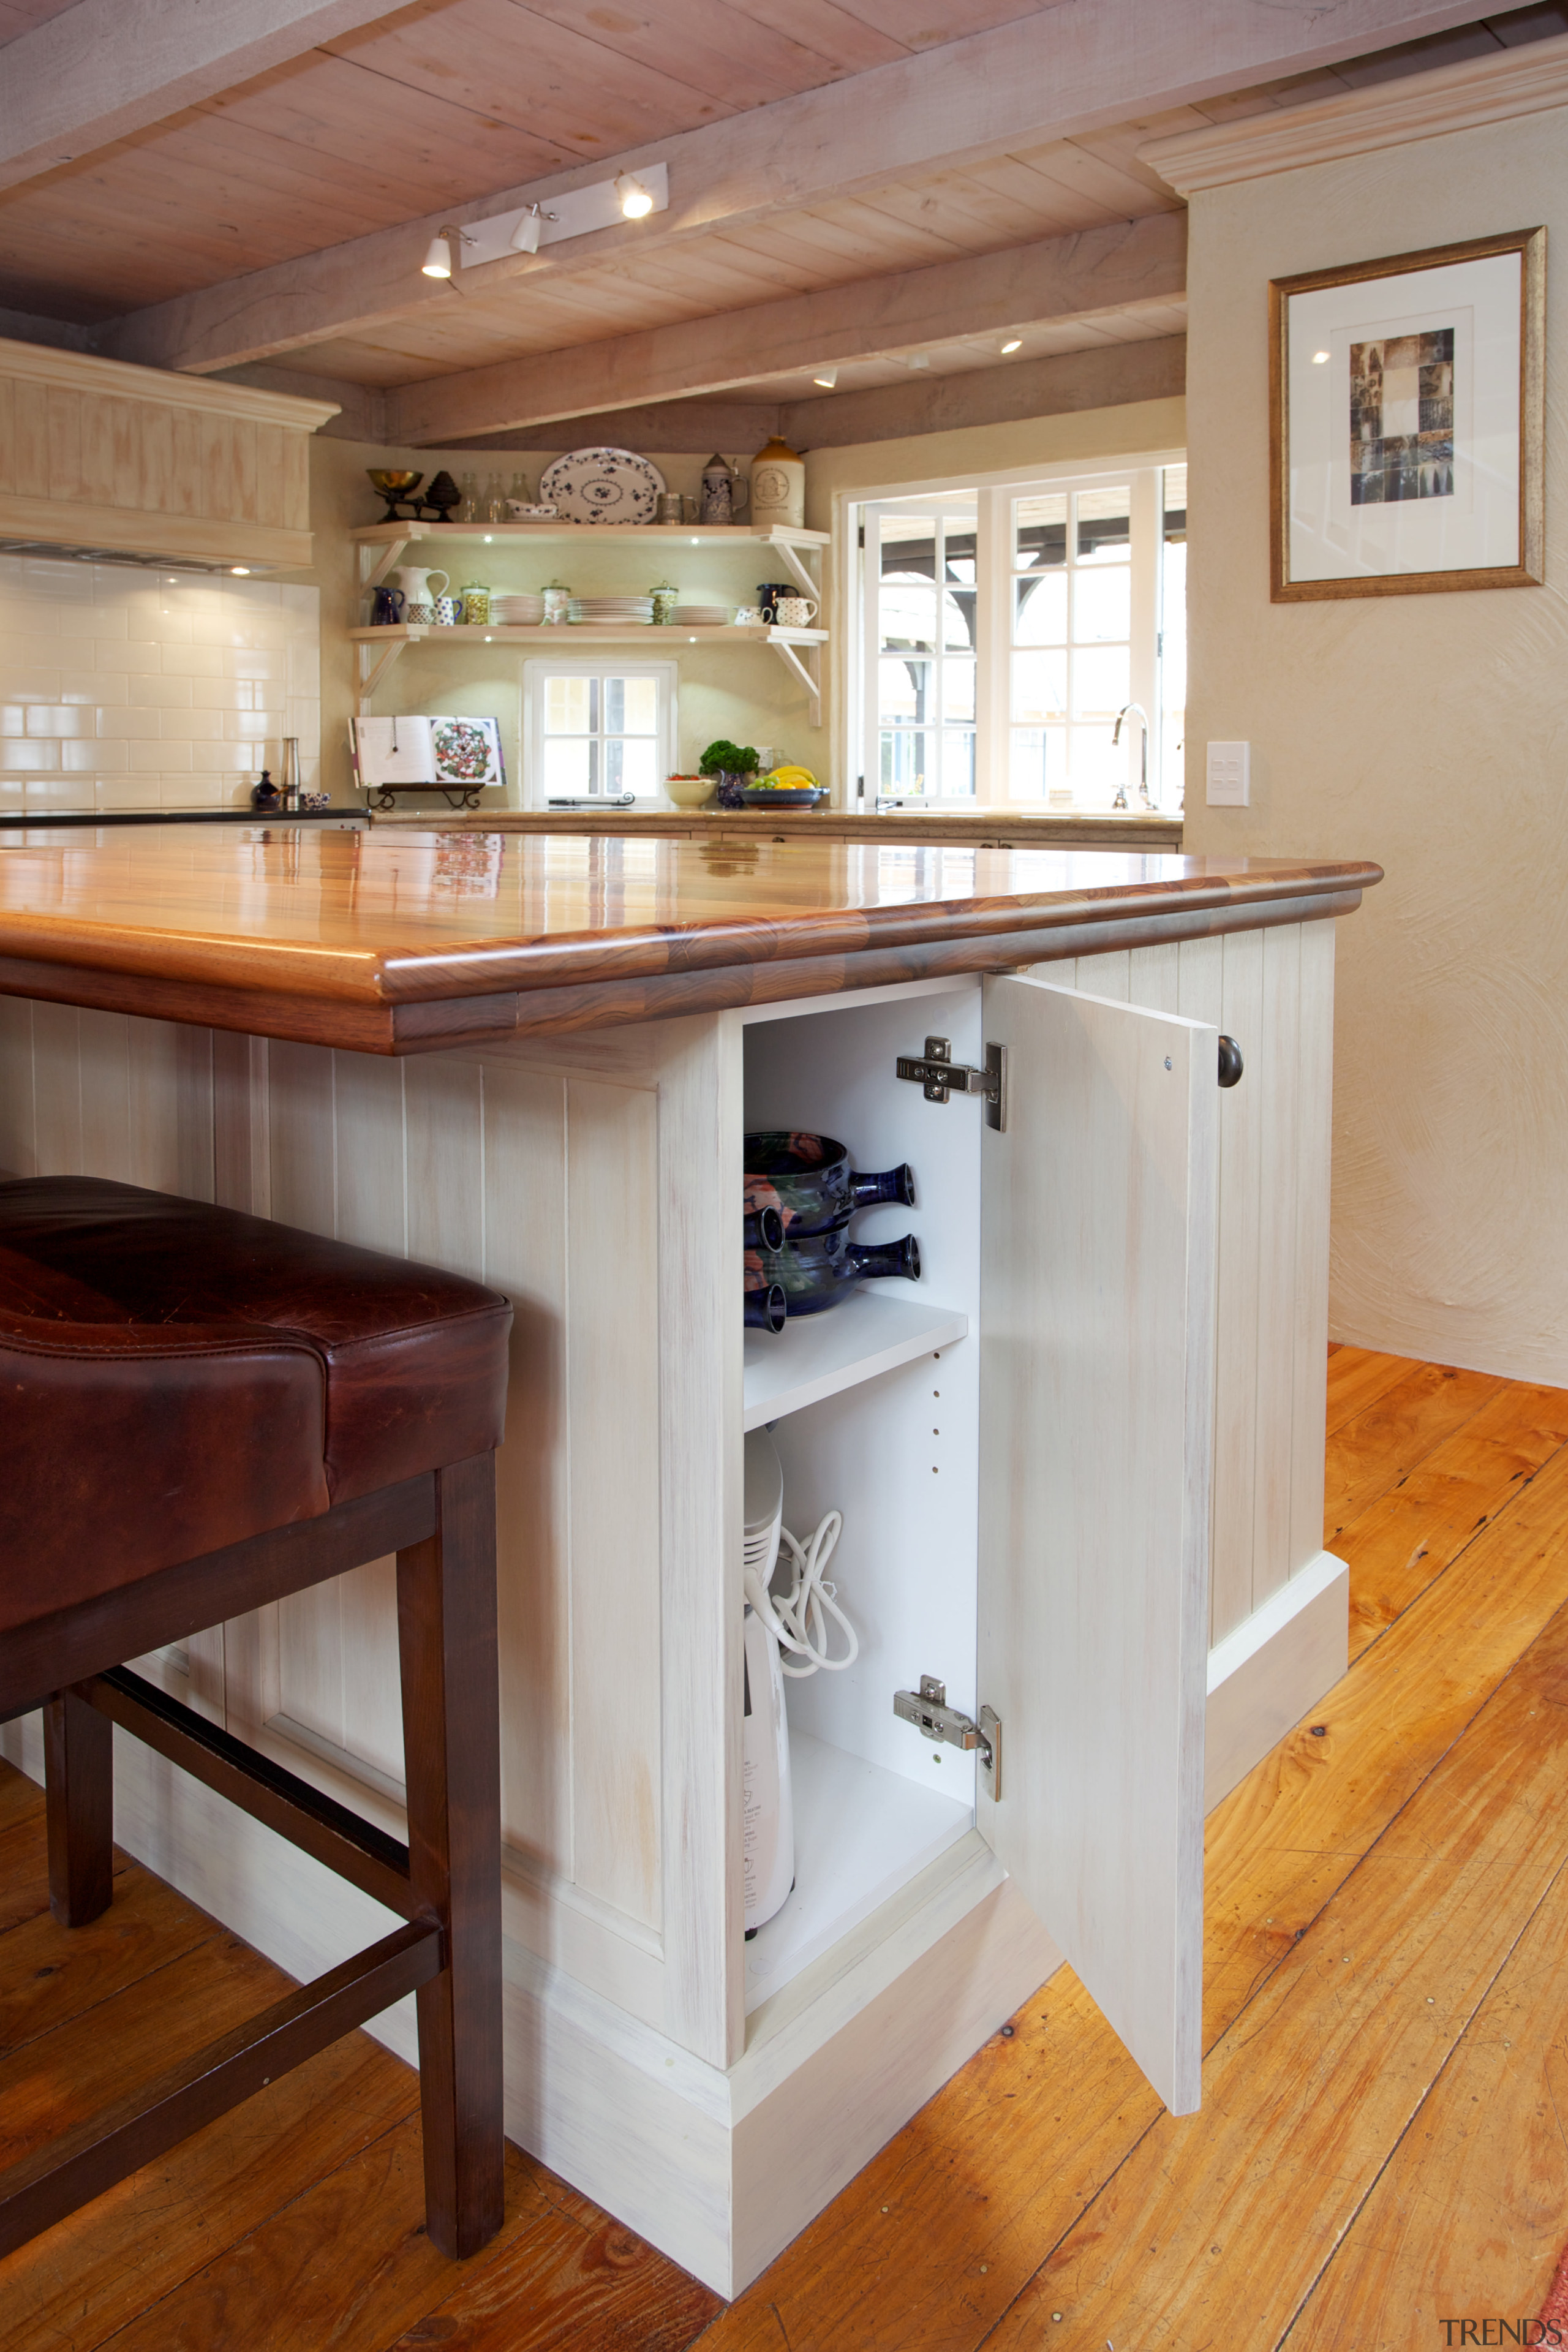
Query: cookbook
[443, 751]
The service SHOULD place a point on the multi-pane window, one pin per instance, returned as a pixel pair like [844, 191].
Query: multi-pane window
[1072, 644]
[921, 592]
[597, 731]
[1174, 622]
[1008, 628]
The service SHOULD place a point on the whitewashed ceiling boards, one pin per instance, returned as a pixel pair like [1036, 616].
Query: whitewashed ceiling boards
[248, 187]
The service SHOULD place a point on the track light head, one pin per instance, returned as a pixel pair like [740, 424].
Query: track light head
[525, 236]
[437, 261]
[634, 199]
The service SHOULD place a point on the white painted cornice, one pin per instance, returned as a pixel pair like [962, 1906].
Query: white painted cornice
[1528, 80]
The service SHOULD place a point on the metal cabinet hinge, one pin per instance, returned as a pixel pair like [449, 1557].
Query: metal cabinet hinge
[945, 1727]
[941, 1077]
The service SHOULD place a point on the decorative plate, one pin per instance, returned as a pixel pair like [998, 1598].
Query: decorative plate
[602, 486]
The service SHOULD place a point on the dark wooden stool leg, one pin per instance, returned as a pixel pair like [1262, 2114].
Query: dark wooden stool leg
[451, 1739]
[79, 1779]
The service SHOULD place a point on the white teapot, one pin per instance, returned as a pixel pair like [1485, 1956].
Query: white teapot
[419, 597]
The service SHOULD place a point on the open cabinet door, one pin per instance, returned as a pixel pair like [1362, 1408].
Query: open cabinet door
[1096, 1406]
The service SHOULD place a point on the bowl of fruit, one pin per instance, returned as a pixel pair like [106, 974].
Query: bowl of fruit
[788, 787]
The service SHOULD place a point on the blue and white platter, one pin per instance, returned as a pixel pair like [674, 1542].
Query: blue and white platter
[602, 486]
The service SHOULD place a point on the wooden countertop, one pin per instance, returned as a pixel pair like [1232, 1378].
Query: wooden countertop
[980, 828]
[407, 940]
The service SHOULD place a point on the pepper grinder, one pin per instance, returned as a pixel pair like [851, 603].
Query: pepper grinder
[289, 782]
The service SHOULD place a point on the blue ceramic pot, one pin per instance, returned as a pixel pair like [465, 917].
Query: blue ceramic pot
[815, 1271]
[810, 1180]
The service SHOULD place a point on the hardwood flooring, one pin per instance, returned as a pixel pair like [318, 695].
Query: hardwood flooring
[1384, 2140]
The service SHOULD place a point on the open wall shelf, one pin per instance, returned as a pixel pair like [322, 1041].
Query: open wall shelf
[381, 545]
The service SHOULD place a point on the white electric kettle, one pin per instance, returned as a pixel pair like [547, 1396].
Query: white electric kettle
[419, 597]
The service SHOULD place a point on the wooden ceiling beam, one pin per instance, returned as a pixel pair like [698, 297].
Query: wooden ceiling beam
[1058, 73]
[1060, 278]
[106, 69]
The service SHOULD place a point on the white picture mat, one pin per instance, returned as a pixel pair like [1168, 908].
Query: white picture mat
[1476, 528]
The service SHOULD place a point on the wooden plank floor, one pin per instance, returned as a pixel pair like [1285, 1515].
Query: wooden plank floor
[1383, 2141]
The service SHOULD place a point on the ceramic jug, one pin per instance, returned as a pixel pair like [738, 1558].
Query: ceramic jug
[778, 485]
[419, 596]
[386, 608]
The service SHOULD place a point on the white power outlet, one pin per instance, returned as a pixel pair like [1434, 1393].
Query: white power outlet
[1229, 775]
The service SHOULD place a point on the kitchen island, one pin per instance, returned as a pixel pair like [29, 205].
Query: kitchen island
[1079, 1460]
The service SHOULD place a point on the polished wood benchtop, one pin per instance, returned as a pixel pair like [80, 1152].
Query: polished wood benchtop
[985, 828]
[403, 940]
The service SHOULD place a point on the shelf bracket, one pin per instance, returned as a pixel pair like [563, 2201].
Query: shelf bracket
[809, 678]
[372, 572]
[369, 677]
[799, 571]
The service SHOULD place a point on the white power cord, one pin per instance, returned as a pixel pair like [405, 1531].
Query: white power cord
[798, 1619]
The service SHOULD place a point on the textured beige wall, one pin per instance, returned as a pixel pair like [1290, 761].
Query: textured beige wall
[1427, 732]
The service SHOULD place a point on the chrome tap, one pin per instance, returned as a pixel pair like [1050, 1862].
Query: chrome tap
[1120, 800]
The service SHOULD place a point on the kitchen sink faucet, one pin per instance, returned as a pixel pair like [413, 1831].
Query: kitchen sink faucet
[1120, 800]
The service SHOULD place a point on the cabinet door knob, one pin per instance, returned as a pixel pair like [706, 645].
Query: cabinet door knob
[1230, 1063]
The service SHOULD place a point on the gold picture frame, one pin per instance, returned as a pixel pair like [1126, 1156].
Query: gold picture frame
[1337, 480]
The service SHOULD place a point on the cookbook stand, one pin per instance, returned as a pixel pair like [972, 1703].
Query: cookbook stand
[456, 796]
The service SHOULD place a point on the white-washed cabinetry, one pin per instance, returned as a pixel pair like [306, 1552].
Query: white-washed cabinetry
[714, 2102]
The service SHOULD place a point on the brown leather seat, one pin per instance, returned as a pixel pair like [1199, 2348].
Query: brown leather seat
[202, 1412]
[179, 1377]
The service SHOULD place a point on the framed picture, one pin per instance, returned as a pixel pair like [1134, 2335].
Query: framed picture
[1406, 422]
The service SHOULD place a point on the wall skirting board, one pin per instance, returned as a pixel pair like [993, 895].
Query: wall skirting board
[598, 2095]
[1270, 1669]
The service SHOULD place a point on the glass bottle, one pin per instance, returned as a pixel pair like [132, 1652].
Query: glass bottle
[495, 499]
[518, 490]
[469, 511]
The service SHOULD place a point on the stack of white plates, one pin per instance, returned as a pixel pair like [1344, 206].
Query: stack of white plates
[516, 610]
[704, 616]
[620, 611]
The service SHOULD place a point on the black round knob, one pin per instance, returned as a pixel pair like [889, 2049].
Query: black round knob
[1230, 1063]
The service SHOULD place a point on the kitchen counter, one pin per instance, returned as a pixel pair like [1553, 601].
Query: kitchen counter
[1122, 1304]
[1080, 829]
[404, 941]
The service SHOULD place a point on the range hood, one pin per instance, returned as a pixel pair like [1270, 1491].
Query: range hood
[114, 463]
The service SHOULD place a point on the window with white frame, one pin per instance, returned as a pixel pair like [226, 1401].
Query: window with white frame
[1008, 625]
[598, 729]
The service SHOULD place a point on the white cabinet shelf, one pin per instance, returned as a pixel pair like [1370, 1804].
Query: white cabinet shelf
[860, 1833]
[817, 1356]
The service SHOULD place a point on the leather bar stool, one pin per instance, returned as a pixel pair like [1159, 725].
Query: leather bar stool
[203, 1412]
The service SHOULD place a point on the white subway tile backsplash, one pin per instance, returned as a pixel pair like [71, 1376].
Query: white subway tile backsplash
[192, 661]
[222, 694]
[132, 654]
[59, 719]
[143, 692]
[192, 726]
[159, 759]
